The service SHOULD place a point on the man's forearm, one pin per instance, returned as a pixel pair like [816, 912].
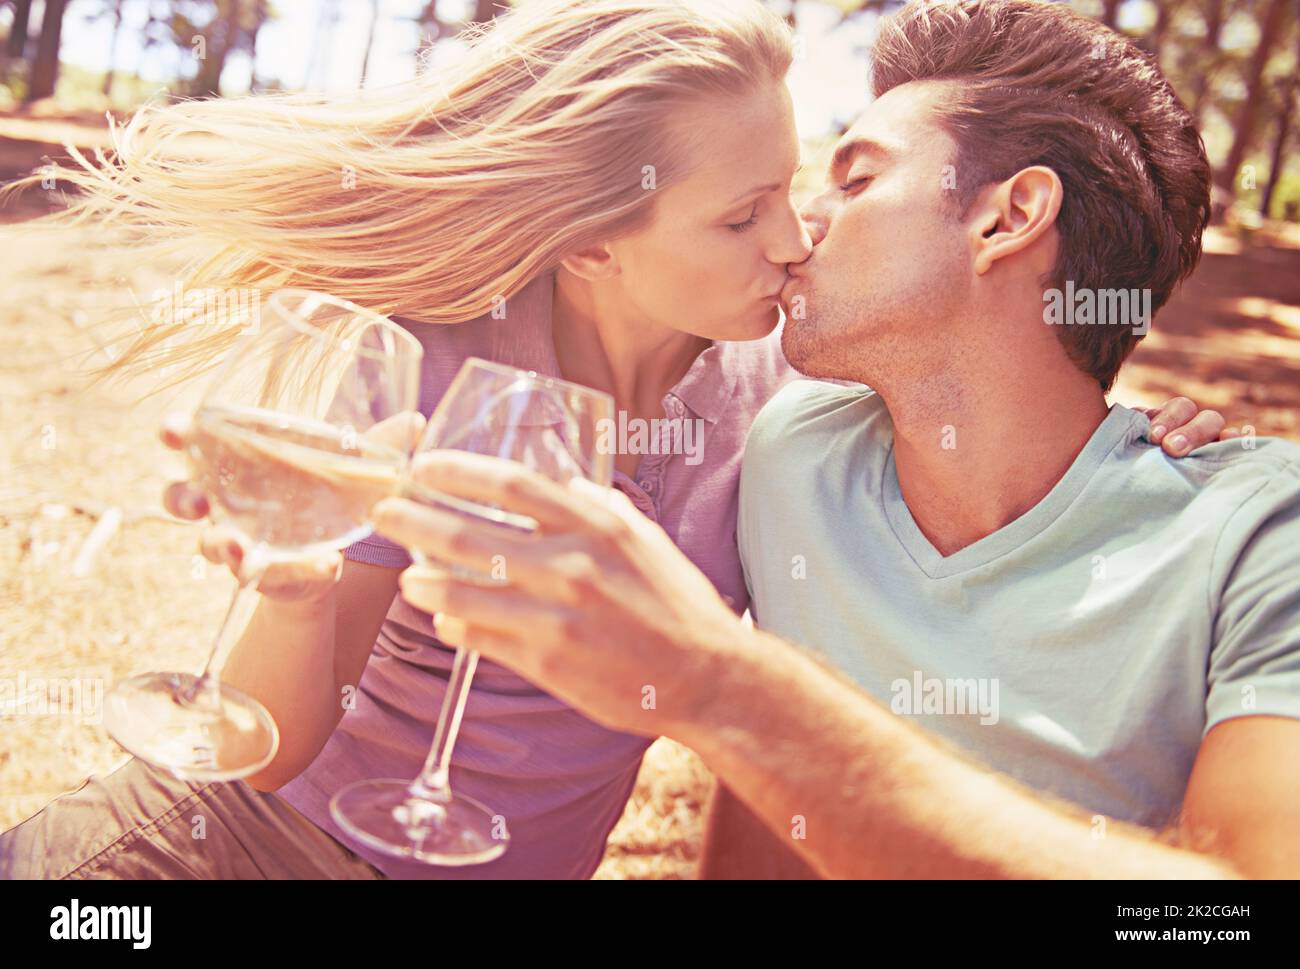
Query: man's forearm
[862, 793]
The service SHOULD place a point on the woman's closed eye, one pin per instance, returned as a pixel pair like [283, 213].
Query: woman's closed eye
[747, 224]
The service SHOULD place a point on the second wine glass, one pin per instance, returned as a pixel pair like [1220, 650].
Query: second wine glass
[555, 428]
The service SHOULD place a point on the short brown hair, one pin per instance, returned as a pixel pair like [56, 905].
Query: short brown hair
[1038, 84]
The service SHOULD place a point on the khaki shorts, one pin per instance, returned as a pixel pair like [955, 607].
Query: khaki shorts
[139, 822]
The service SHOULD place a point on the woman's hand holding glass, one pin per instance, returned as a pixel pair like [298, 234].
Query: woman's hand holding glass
[307, 424]
[305, 579]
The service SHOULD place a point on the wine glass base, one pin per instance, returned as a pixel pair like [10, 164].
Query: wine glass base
[384, 815]
[143, 715]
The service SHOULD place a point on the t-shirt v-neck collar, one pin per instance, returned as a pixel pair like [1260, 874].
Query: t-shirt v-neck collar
[1119, 425]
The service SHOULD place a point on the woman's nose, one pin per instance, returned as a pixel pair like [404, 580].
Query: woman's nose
[815, 222]
[806, 242]
[791, 242]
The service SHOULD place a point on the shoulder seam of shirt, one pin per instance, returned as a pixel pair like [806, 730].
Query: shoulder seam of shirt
[765, 417]
[1292, 465]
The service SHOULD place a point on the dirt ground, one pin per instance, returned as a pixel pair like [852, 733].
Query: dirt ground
[148, 601]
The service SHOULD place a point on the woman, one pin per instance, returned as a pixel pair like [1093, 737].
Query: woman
[602, 194]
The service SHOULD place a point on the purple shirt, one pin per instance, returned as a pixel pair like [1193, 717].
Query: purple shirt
[559, 780]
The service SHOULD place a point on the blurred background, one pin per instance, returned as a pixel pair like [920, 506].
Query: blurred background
[97, 583]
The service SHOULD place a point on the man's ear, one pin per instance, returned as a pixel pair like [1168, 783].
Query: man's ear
[1014, 214]
[592, 263]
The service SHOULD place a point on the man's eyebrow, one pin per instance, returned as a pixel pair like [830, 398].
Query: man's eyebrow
[846, 152]
[771, 187]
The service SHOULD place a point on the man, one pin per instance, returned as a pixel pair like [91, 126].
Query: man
[1036, 647]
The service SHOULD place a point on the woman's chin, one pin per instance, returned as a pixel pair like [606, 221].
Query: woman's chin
[755, 325]
[764, 322]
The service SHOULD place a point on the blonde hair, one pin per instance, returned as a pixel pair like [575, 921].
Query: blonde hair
[435, 198]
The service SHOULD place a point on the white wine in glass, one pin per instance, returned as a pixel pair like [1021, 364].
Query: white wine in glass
[305, 426]
[553, 427]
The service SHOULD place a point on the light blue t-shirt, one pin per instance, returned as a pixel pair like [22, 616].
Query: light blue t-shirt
[1085, 648]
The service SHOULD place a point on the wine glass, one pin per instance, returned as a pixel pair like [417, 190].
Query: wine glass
[553, 427]
[282, 444]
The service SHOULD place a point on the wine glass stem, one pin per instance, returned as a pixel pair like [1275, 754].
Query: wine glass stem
[205, 693]
[434, 781]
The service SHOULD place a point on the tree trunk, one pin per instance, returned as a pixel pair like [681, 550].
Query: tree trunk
[112, 49]
[221, 41]
[431, 29]
[16, 45]
[1244, 129]
[1278, 160]
[370, 41]
[45, 69]
[1160, 33]
[428, 20]
[1290, 91]
[1210, 54]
